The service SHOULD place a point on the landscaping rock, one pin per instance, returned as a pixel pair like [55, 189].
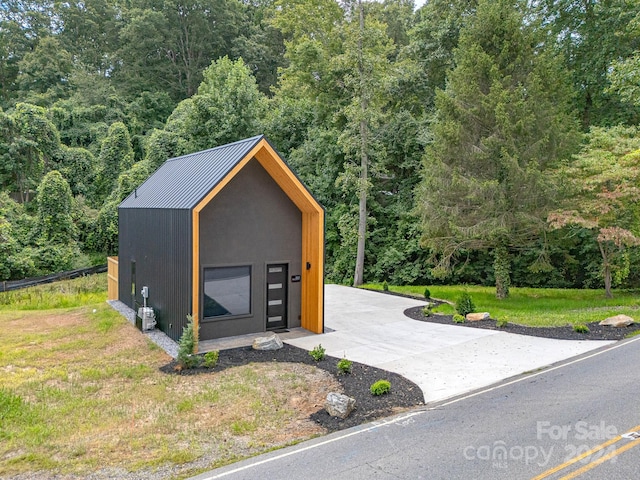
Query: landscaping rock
[476, 317]
[272, 342]
[338, 405]
[618, 321]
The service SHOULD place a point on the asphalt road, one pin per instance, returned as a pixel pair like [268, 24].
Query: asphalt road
[574, 420]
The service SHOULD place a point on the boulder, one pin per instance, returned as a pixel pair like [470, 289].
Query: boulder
[476, 317]
[339, 405]
[272, 342]
[617, 321]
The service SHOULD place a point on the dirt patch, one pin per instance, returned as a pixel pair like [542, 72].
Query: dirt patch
[36, 322]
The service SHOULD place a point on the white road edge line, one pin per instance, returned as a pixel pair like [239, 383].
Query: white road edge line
[315, 445]
[412, 414]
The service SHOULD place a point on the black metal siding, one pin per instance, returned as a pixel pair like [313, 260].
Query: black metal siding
[159, 240]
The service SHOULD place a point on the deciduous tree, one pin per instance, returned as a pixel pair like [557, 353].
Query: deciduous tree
[54, 200]
[603, 190]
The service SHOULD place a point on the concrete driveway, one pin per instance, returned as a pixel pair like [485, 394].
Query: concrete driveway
[444, 360]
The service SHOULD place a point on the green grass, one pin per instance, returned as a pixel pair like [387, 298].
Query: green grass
[66, 294]
[536, 307]
[81, 389]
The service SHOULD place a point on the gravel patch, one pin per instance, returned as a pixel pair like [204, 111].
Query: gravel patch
[156, 336]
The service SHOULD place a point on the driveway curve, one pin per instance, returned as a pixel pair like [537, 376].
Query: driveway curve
[443, 360]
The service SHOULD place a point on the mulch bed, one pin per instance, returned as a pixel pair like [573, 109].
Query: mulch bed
[403, 394]
[596, 332]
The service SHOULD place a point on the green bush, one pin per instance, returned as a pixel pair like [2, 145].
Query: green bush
[426, 311]
[457, 318]
[501, 323]
[186, 346]
[211, 359]
[54, 257]
[344, 366]
[581, 328]
[464, 304]
[385, 286]
[427, 293]
[318, 353]
[380, 387]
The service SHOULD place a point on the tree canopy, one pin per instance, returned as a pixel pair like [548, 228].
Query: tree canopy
[437, 138]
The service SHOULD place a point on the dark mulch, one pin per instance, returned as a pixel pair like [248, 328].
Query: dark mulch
[403, 394]
[596, 332]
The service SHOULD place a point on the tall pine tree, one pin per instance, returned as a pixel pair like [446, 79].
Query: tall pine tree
[502, 122]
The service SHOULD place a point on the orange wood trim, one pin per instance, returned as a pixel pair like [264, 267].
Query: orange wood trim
[195, 262]
[312, 287]
[223, 183]
[285, 178]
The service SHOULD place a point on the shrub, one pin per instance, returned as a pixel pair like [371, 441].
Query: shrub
[211, 359]
[427, 293]
[318, 353]
[457, 318]
[581, 329]
[385, 286]
[186, 345]
[501, 323]
[344, 366]
[426, 311]
[464, 304]
[380, 387]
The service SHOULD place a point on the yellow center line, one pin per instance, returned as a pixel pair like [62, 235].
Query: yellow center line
[597, 462]
[568, 463]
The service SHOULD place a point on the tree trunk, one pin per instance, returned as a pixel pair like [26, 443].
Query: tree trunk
[358, 277]
[502, 271]
[606, 270]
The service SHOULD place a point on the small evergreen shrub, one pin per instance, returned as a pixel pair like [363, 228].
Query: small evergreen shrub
[457, 318]
[380, 387]
[464, 304]
[385, 286]
[581, 329]
[427, 293]
[426, 311]
[186, 346]
[211, 359]
[344, 366]
[318, 353]
[501, 323]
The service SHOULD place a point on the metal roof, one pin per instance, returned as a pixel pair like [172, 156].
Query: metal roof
[181, 182]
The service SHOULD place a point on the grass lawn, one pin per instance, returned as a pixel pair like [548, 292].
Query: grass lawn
[80, 390]
[535, 307]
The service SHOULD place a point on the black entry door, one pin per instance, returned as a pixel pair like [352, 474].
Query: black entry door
[277, 275]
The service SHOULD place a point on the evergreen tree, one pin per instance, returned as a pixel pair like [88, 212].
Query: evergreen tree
[501, 123]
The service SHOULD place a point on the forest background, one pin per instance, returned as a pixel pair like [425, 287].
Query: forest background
[485, 142]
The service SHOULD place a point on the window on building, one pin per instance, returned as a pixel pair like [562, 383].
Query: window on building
[227, 291]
